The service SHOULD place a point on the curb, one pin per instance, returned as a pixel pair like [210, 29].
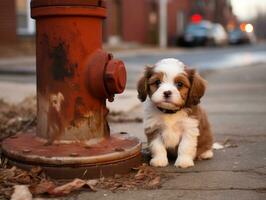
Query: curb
[17, 72]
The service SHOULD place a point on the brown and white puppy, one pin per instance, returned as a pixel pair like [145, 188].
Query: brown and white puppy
[173, 120]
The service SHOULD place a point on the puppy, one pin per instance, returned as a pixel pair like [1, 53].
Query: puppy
[173, 119]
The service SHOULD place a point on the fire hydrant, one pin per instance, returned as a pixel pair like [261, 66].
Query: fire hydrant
[74, 79]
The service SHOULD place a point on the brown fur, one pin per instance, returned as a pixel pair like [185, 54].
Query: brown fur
[142, 84]
[184, 91]
[152, 87]
[146, 84]
[197, 90]
[205, 139]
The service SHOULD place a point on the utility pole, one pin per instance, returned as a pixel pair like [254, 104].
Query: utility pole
[163, 23]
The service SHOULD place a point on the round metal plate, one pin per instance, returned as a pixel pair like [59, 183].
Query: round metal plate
[83, 171]
[115, 154]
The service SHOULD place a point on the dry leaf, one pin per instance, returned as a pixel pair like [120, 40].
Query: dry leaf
[155, 183]
[21, 192]
[7, 173]
[91, 184]
[43, 187]
[145, 177]
[71, 186]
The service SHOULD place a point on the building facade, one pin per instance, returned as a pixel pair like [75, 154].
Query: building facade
[8, 22]
[128, 20]
[138, 21]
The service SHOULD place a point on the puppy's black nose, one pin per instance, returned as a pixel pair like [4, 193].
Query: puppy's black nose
[167, 93]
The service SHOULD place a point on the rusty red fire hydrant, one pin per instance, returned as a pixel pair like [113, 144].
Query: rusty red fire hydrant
[74, 79]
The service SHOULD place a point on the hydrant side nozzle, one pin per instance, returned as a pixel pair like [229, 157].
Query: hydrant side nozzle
[115, 77]
[105, 76]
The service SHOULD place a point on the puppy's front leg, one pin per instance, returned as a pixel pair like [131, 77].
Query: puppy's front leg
[187, 148]
[159, 153]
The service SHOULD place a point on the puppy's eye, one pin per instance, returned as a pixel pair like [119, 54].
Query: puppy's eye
[179, 84]
[158, 82]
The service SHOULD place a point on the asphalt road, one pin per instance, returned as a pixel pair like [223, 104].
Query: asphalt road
[199, 58]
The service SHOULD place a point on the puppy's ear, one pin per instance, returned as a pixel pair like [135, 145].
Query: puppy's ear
[142, 85]
[197, 89]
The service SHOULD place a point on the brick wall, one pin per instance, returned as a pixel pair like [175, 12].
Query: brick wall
[7, 22]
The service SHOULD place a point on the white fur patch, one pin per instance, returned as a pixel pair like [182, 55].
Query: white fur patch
[159, 154]
[173, 128]
[184, 162]
[178, 129]
[170, 68]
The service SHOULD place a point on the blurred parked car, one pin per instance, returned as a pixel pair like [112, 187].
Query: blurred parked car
[243, 34]
[204, 33]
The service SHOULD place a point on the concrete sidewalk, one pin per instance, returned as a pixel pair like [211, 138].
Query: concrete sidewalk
[236, 105]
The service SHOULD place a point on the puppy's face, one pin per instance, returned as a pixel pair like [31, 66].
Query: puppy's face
[170, 86]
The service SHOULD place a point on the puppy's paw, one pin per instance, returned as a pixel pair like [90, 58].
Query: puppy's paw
[159, 161]
[206, 155]
[184, 162]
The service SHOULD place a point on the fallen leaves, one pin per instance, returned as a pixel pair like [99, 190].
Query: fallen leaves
[14, 181]
[72, 186]
[155, 183]
[13, 176]
[24, 192]
[143, 177]
[15, 118]
[50, 187]
[43, 187]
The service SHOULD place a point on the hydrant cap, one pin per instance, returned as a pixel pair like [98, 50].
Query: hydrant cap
[44, 3]
[115, 76]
